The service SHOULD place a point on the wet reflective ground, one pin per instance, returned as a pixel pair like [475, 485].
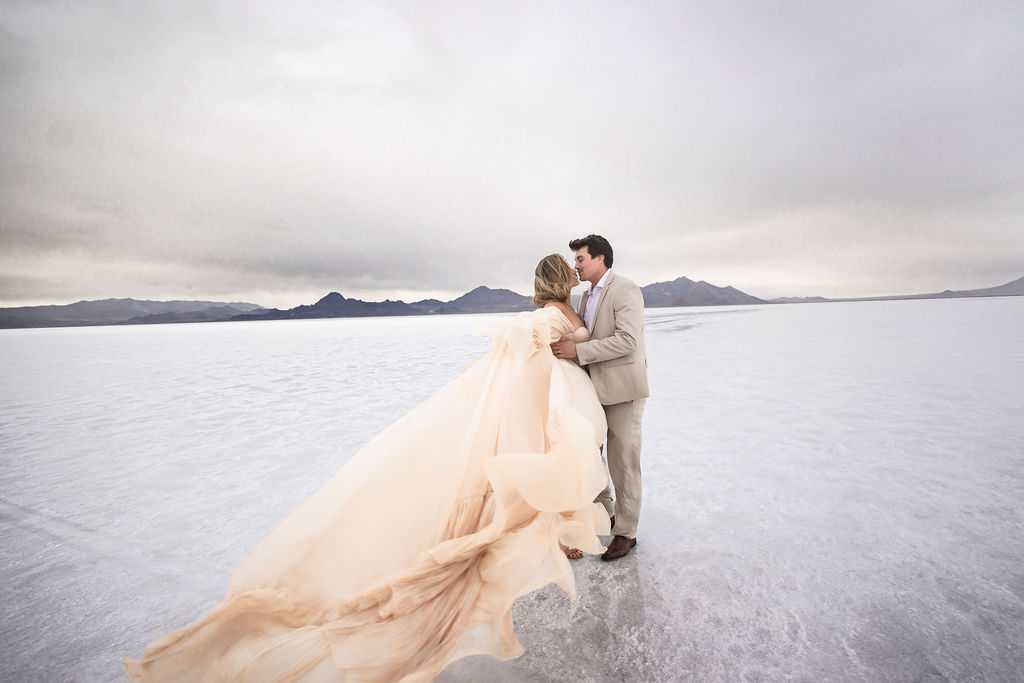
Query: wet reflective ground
[833, 492]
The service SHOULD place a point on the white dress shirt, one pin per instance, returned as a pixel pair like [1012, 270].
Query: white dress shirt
[595, 296]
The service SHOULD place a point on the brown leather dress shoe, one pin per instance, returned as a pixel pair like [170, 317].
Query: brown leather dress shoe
[619, 547]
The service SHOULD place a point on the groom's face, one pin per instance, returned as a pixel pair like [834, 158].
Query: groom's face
[590, 269]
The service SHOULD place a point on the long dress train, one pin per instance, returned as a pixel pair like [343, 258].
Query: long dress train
[411, 555]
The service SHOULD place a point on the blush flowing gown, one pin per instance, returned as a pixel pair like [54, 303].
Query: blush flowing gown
[412, 554]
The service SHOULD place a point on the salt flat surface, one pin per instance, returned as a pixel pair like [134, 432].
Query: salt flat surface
[832, 491]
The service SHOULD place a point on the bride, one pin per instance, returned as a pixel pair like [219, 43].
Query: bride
[411, 555]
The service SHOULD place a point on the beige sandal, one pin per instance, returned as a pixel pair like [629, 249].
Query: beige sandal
[572, 553]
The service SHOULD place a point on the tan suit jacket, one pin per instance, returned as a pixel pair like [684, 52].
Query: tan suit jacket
[616, 356]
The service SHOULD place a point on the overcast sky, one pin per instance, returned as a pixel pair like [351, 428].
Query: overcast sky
[273, 152]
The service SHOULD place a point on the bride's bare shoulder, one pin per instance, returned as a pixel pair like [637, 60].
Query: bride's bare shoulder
[559, 305]
[569, 314]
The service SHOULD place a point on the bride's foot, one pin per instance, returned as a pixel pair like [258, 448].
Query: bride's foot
[571, 553]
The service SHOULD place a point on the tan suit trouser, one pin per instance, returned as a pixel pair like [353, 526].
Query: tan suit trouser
[623, 454]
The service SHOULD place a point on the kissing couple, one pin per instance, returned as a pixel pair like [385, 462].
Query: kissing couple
[411, 555]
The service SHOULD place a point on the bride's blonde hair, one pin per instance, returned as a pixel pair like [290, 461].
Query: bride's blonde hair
[552, 281]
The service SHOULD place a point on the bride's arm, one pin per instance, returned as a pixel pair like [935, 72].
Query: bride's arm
[566, 348]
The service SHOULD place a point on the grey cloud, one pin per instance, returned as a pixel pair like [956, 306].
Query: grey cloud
[383, 147]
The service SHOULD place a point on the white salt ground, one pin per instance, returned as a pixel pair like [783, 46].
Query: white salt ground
[832, 491]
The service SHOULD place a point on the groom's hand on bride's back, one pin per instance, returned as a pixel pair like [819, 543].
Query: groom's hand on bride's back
[564, 349]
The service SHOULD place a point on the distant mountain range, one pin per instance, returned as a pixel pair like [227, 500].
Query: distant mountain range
[334, 305]
[120, 311]
[1014, 288]
[679, 292]
[685, 292]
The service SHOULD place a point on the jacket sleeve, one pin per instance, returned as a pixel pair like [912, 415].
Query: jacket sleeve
[628, 309]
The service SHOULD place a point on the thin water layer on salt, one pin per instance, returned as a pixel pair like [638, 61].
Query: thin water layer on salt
[832, 491]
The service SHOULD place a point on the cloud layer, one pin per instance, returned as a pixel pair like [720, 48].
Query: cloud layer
[273, 153]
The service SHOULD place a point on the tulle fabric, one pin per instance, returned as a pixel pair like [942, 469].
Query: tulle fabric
[411, 555]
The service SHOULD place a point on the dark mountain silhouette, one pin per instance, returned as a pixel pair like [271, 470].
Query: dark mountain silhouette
[679, 292]
[112, 311]
[334, 305]
[211, 314]
[685, 292]
[485, 300]
[427, 305]
[1014, 288]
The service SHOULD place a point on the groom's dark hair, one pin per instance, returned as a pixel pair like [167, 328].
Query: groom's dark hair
[596, 246]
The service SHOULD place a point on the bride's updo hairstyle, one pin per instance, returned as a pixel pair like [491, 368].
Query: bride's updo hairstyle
[552, 281]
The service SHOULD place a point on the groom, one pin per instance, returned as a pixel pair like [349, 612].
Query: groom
[616, 359]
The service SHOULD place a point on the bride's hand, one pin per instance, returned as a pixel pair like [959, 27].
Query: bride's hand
[564, 349]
